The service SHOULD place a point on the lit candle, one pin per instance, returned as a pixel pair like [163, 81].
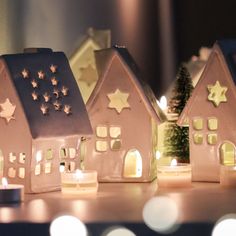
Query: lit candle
[79, 182]
[228, 176]
[11, 193]
[174, 175]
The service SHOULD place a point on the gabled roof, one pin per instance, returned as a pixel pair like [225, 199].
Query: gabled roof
[104, 60]
[56, 123]
[226, 49]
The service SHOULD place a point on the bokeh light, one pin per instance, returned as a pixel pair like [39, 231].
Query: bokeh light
[225, 226]
[118, 231]
[161, 214]
[67, 226]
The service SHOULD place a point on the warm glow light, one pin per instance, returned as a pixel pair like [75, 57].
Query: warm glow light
[38, 156]
[4, 182]
[67, 226]
[62, 168]
[117, 231]
[78, 174]
[158, 155]
[162, 103]
[173, 162]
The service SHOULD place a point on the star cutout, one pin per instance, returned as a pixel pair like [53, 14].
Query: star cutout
[7, 110]
[44, 109]
[118, 100]
[53, 68]
[88, 75]
[217, 93]
[41, 74]
[67, 109]
[25, 73]
[54, 81]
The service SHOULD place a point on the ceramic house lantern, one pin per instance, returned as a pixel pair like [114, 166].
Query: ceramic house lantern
[124, 116]
[41, 122]
[82, 60]
[210, 114]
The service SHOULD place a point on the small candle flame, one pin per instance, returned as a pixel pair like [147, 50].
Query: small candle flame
[4, 182]
[173, 162]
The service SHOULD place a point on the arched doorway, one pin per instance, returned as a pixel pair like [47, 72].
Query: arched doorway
[227, 153]
[133, 164]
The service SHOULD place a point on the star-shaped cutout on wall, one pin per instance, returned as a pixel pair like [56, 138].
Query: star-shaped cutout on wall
[217, 93]
[7, 110]
[118, 100]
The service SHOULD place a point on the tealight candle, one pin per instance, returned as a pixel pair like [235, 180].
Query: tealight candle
[174, 175]
[79, 182]
[11, 193]
[228, 176]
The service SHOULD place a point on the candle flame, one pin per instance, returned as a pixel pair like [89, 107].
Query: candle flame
[173, 162]
[162, 103]
[4, 182]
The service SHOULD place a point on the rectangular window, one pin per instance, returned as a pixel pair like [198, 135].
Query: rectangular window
[101, 131]
[22, 158]
[12, 157]
[21, 173]
[49, 154]
[115, 144]
[101, 146]
[115, 132]
[198, 123]
[212, 124]
[212, 139]
[198, 138]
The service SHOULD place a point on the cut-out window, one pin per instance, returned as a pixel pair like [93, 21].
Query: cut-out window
[12, 157]
[101, 146]
[22, 158]
[49, 154]
[198, 124]
[47, 167]
[38, 156]
[227, 154]
[198, 138]
[115, 144]
[37, 169]
[72, 166]
[72, 153]
[101, 131]
[212, 139]
[21, 173]
[115, 132]
[11, 172]
[212, 124]
[63, 153]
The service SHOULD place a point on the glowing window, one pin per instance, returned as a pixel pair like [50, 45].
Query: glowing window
[101, 146]
[212, 139]
[38, 156]
[22, 158]
[101, 131]
[72, 153]
[115, 144]
[21, 173]
[212, 124]
[115, 132]
[47, 167]
[227, 154]
[37, 169]
[63, 153]
[72, 166]
[11, 172]
[197, 138]
[49, 154]
[12, 157]
[198, 124]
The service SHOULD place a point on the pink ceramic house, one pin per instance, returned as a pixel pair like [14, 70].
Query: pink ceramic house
[42, 119]
[210, 114]
[124, 117]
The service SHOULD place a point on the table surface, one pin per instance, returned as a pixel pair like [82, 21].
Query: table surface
[123, 202]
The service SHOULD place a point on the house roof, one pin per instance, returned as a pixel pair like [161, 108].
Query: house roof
[226, 49]
[103, 61]
[55, 123]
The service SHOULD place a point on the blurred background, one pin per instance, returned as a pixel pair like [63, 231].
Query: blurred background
[160, 34]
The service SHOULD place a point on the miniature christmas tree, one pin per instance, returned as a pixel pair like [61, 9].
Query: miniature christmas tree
[176, 142]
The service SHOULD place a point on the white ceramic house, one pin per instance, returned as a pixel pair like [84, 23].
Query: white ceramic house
[124, 116]
[82, 60]
[210, 114]
[42, 119]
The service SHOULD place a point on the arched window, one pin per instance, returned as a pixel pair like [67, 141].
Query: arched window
[227, 153]
[133, 164]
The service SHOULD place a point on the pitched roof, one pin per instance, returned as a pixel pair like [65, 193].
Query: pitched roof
[56, 123]
[103, 61]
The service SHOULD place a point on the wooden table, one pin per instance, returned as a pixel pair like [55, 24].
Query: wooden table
[121, 203]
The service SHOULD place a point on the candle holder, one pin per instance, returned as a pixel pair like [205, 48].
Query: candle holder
[228, 175]
[79, 182]
[177, 175]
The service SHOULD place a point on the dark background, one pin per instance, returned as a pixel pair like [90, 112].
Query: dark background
[158, 33]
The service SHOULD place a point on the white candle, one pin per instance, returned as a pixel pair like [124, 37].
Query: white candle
[79, 182]
[11, 193]
[174, 175]
[228, 176]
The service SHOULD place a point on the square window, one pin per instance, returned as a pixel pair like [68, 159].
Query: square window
[115, 144]
[11, 172]
[101, 146]
[198, 124]
[212, 124]
[101, 131]
[115, 132]
[22, 158]
[212, 139]
[12, 157]
[21, 173]
[198, 138]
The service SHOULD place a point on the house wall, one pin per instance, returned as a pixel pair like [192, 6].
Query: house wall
[135, 123]
[205, 158]
[15, 135]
